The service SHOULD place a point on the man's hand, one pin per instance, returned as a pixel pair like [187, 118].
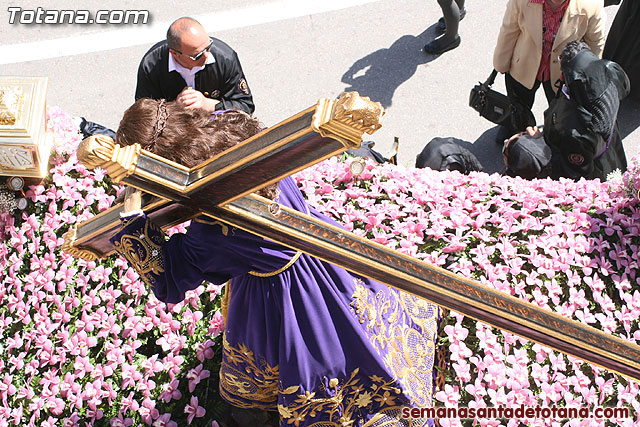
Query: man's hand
[132, 200]
[534, 131]
[191, 98]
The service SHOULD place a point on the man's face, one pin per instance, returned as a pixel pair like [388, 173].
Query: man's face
[194, 42]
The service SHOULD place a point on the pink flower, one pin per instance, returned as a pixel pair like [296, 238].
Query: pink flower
[216, 324]
[172, 364]
[151, 366]
[55, 405]
[130, 376]
[133, 326]
[196, 375]
[120, 421]
[170, 391]
[449, 396]
[172, 342]
[457, 332]
[167, 319]
[164, 420]
[129, 403]
[100, 274]
[204, 350]
[148, 411]
[191, 319]
[6, 385]
[193, 410]
[459, 351]
[214, 290]
[463, 370]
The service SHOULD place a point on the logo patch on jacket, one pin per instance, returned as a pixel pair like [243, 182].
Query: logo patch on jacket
[242, 85]
[576, 159]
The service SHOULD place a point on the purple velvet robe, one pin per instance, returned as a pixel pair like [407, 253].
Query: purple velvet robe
[319, 344]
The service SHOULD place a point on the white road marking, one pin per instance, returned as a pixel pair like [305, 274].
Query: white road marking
[150, 33]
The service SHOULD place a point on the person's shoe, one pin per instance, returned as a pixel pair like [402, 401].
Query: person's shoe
[88, 128]
[441, 26]
[439, 45]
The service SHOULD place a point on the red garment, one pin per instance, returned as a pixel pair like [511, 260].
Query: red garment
[550, 24]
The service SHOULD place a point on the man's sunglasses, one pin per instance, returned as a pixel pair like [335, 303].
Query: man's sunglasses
[198, 55]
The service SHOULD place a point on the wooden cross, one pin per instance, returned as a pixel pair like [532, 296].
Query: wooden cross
[221, 187]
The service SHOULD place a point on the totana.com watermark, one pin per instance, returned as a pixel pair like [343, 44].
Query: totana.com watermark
[17, 15]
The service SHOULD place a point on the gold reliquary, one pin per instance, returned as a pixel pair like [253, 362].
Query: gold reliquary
[25, 144]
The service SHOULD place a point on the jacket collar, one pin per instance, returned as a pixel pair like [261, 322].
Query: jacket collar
[572, 16]
[174, 66]
[535, 24]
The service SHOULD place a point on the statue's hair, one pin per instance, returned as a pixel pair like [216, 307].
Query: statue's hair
[189, 136]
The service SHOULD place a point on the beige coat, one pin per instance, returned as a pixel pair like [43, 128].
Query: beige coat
[519, 47]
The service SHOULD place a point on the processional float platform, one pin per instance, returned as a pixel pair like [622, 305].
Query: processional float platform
[25, 143]
[219, 189]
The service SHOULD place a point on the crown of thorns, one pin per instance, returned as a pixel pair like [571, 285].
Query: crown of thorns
[160, 123]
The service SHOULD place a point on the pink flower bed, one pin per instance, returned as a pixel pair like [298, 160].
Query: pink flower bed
[85, 343]
[571, 247]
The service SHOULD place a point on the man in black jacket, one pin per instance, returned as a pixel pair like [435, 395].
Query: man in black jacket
[194, 69]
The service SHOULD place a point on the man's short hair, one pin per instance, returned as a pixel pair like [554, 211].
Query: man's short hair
[571, 50]
[174, 33]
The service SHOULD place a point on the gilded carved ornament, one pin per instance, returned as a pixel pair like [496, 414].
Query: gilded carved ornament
[68, 246]
[100, 151]
[347, 118]
[11, 101]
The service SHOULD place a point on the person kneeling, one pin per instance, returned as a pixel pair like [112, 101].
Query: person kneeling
[580, 138]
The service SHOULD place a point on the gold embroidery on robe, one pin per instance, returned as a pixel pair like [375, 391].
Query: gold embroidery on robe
[402, 329]
[223, 226]
[280, 270]
[343, 400]
[143, 251]
[243, 374]
[408, 352]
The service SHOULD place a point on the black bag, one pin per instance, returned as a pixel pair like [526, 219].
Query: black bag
[498, 108]
[443, 154]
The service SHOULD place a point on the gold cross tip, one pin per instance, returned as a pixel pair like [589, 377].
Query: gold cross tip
[95, 150]
[101, 151]
[360, 109]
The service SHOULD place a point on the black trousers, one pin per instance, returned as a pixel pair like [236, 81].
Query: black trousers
[519, 93]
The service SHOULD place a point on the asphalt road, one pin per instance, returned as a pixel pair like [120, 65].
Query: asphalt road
[293, 53]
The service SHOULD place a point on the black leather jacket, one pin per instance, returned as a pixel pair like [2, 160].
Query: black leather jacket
[223, 80]
[580, 126]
